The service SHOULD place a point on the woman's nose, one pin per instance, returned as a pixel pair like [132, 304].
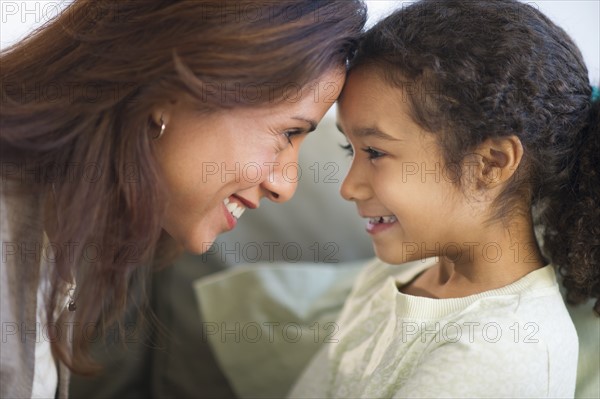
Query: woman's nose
[282, 179]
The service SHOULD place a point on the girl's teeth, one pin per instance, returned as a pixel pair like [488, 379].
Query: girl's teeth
[383, 219]
[233, 208]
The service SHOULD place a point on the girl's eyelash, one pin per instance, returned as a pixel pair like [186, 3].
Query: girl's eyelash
[373, 153]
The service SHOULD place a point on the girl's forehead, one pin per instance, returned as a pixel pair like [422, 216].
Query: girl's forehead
[371, 84]
[368, 95]
[363, 88]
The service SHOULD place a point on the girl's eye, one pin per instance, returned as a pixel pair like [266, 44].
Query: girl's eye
[373, 153]
[348, 148]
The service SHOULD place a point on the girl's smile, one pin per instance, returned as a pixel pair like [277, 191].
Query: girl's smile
[377, 224]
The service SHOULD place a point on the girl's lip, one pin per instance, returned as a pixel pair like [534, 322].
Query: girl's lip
[379, 227]
[231, 221]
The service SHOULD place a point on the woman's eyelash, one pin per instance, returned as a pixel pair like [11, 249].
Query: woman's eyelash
[290, 133]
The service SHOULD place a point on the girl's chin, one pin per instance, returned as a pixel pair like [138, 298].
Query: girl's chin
[392, 254]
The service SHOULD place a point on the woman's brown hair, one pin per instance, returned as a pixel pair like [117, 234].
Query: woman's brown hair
[76, 102]
[483, 69]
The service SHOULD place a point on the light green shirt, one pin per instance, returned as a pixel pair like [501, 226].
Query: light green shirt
[516, 341]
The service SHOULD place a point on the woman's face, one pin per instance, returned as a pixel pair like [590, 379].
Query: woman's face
[218, 165]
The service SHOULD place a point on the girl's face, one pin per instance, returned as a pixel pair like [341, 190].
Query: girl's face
[219, 165]
[398, 179]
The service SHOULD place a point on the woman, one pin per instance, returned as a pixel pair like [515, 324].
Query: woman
[133, 130]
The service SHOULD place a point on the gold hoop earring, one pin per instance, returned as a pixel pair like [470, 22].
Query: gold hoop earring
[162, 129]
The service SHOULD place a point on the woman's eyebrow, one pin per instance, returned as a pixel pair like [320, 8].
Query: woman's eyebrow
[363, 132]
[313, 124]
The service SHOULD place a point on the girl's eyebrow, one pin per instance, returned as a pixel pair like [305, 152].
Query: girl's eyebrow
[374, 131]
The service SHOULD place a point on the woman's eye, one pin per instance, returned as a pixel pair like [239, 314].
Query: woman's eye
[373, 153]
[291, 133]
[348, 148]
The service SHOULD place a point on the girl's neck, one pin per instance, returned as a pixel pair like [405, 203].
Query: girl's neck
[500, 256]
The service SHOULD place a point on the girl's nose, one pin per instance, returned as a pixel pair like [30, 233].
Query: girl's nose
[355, 186]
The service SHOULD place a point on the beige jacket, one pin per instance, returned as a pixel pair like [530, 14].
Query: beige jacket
[21, 234]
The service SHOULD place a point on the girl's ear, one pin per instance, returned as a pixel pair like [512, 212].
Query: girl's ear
[495, 161]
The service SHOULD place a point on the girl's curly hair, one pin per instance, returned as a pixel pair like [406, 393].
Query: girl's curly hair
[481, 69]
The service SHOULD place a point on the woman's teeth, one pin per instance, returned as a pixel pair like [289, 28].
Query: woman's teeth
[383, 219]
[234, 208]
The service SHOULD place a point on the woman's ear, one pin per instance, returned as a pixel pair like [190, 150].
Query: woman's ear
[161, 115]
[495, 161]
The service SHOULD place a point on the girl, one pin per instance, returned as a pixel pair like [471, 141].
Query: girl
[126, 128]
[473, 126]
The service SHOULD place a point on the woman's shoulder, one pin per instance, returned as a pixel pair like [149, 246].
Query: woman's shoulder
[21, 223]
[21, 233]
[21, 212]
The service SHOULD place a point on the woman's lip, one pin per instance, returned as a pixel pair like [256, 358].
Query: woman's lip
[231, 221]
[245, 202]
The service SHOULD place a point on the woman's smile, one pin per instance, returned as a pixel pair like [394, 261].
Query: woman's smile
[234, 209]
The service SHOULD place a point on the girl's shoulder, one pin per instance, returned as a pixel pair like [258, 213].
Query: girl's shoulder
[535, 297]
[376, 273]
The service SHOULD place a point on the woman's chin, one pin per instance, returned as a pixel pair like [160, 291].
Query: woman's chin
[199, 246]
[197, 243]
